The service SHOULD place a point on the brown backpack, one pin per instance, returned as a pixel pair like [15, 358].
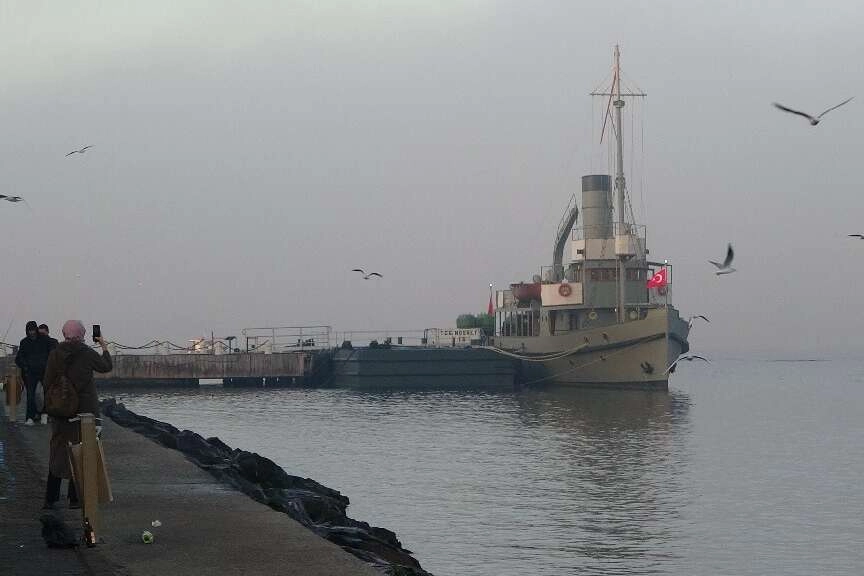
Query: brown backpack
[61, 398]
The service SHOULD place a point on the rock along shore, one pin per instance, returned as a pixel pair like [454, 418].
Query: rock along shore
[313, 505]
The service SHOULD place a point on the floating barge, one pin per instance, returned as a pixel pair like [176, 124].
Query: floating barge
[414, 368]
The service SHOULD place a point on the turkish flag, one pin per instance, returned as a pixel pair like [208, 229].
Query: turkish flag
[658, 280]
[491, 309]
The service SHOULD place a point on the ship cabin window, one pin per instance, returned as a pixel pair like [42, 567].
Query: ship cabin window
[574, 274]
[611, 274]
[637, 274]
[604, 274]
[520, 323]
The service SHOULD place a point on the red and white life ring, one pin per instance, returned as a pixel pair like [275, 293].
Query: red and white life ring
[565, 290]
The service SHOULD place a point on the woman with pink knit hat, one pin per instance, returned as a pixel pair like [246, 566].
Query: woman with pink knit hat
[77, 361]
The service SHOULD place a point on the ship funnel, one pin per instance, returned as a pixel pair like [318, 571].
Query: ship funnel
[597, 206]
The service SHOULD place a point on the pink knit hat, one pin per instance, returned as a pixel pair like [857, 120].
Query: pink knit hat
[74, 330]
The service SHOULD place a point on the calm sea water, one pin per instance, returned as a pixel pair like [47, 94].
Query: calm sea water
[741, 468]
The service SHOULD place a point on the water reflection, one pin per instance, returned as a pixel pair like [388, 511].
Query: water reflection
[625, 452]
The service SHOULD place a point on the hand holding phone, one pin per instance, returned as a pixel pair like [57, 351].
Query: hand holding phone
[97, 332]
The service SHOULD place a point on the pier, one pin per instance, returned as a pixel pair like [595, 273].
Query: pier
[187, 369]
[308, 356]
[206, 527]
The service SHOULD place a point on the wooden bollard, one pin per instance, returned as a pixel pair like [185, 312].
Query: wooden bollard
[89, 484]
[13, 386]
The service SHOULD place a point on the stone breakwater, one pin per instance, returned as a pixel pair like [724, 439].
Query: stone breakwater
[313, 505]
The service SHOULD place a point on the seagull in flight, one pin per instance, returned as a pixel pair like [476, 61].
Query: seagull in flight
[726, 266]
[367, 276]
[861, 236]
[813, 121]
[688, 359]
[81, 151]
[690, 320]
[15, 199]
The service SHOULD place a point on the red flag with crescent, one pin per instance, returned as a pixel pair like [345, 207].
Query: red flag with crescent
[491, 309]
[658, 280]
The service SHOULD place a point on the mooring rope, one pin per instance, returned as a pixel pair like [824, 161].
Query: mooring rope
[544, 358]
[575, 368]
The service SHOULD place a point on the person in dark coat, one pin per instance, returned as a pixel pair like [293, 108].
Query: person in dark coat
[44, 331]
[32, 357]
[78, 361]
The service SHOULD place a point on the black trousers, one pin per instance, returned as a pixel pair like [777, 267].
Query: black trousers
[52, 491]
[30, 382]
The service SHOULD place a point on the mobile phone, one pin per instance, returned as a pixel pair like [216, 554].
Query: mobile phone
[97, 332]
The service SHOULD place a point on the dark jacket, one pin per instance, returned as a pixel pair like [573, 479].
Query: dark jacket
[78, 361]
[32, 356]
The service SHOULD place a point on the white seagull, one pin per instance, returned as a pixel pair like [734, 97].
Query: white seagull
[81, 151]
[688, 359]
[690, 320]
[813, 120]
[367, 276]
[726, 266]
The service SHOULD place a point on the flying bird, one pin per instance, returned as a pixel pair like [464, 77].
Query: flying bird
[725, 267]
[367, 276]
[15, 199]
[861, 236]
[81, 151]
[690, 320]
[688, 359]
[813, 121]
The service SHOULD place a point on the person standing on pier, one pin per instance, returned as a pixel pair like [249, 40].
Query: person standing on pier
[32, 357]
[78, 362]
[44, 331]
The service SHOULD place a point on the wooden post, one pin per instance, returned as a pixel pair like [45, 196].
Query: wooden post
[12, 388]
[89, 483]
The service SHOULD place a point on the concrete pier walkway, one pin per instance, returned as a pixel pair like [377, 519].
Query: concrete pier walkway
[207, 528]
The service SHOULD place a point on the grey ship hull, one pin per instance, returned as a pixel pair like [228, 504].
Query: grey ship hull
[635, 353]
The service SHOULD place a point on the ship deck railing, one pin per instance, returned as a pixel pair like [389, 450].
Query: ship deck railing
[288, 338]
[610, 231]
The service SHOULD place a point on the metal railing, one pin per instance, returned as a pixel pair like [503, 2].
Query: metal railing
[276, 339]
[392, 337]
[287, 338]
[637, 230]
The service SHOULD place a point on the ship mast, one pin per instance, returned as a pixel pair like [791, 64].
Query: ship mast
[616, 100]
[619, 184]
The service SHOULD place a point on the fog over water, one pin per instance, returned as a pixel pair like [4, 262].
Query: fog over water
[247, 155]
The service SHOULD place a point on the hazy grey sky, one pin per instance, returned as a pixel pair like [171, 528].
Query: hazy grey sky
[247, 155]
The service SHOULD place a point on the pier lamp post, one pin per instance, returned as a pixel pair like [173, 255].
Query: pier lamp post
[490, 311]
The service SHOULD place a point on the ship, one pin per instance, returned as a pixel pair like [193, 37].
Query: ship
[605, 317]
